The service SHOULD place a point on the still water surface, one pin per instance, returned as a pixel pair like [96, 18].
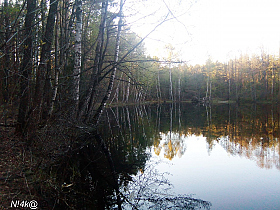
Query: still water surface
[226, 155]
[227, 181]
[176, 156]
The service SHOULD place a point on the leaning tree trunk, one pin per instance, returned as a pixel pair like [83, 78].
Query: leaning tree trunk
[43, 80]
[112, 78]
[26, 69]
[116, 96]
[87, 104]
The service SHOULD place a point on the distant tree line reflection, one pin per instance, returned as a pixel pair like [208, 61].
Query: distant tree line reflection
[251, 131]
[110, 168]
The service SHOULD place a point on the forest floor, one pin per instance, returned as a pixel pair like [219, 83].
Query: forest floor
[15, 165]
[24, 175]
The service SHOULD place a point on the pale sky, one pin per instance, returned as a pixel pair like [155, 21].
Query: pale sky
[220, 29]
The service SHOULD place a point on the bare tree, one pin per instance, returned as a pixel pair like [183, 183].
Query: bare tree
[87, 104]
[26, 69]
[112, 78]
[6, 56]
[43, 75]
[78, 57]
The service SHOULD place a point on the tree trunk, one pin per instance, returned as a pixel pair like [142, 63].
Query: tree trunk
[207, 87]
[43, 82]
[112, 78]
[5, 84]
[87, 104]
[210, 94]
[229, 78]
[272, 82]
[158, 87]
[55, 87]
[116, 95]
[170, 83]
[179, 87]
[77, 59]
[236, 75]
[127, 91]
[26, 69]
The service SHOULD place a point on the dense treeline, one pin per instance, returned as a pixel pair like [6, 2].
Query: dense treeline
[67, 57]
[247, 78]
[71, 58]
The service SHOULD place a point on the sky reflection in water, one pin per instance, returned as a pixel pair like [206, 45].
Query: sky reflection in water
[227, 181]
[226, 154]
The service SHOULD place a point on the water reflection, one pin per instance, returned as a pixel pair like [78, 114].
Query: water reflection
[91, 176]
[151, 189]
[172, 144]
[120, 174]
[249, 131]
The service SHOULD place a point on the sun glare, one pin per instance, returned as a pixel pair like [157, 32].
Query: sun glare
[217, 29]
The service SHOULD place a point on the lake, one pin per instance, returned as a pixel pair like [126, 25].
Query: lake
[225, 154]
[183, 156]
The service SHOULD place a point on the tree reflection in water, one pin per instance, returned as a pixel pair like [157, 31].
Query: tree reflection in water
[150, 189]
[113, 174]
[252, 131]
[93, 176]
[90, 177]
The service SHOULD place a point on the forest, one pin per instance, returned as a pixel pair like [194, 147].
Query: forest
[76, 57]
[63, 62]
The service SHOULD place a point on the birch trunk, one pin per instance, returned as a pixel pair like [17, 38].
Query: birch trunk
[170, 82]
[78, 57]
[87, 104]
[207, 87]
[179, 88]
[210, 94]
[112, 78]
[116, 96]
[159, 91]
[55, 87]
[229, 79]
[127, 91]
[272, 82]
[42, 88]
